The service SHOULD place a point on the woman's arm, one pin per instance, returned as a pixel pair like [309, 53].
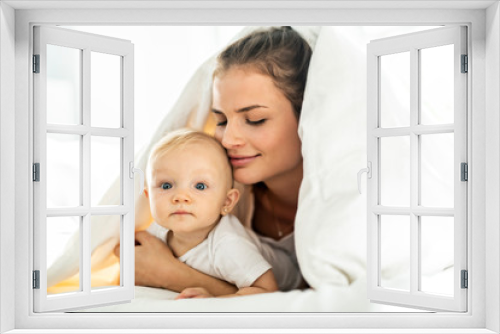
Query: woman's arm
[265, 283]
[156, 266]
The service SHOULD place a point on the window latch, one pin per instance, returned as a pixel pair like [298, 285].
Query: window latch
[133, 170]
[368, 171]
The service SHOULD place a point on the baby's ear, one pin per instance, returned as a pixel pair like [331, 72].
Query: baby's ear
[232, 197]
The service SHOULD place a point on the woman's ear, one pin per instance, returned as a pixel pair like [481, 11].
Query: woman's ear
[146, 192]
[232, 197]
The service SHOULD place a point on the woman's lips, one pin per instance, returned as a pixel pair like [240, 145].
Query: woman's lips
[240, 161]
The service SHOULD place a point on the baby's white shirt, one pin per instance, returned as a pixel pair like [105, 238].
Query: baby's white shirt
[229, 253]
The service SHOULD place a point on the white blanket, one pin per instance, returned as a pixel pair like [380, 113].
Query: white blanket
[331, 219]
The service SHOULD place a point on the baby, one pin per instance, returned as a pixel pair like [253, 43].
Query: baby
[190, 190]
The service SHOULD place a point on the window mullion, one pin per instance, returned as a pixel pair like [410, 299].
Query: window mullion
[414, 173]
[85, 273]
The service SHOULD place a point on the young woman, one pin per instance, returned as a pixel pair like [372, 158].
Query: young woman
[257, 96]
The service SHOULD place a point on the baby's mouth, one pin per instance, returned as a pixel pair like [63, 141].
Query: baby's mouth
[181, 212]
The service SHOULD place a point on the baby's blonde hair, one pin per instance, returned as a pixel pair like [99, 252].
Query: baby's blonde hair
[178, 139]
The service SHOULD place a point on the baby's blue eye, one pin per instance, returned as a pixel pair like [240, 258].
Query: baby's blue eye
[201, 186]
[166, 185]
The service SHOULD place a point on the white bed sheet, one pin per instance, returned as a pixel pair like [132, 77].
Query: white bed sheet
[328, 298]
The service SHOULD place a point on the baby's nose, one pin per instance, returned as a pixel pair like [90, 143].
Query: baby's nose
[181, 197]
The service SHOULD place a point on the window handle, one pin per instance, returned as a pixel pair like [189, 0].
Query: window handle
[368, 171]
[133, 170]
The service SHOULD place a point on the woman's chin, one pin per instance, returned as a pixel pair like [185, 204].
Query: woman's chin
[246, 177]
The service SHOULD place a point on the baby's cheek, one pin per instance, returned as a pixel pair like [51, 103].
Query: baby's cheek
[160, 195]
[158, 203]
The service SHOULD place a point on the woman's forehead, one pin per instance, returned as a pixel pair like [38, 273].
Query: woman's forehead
[239, 92]
[241, 76]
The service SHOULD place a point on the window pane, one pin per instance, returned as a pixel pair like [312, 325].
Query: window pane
[437, 170]
[63, 237]
[105, 90]
[437, 85]
[105, 170]
[395, 171]
[395, 90]
[395, 252]
[109, 275]
[63, 170]
[63, 85]
[437, 235]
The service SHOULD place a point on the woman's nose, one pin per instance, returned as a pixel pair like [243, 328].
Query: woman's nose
[232, 137]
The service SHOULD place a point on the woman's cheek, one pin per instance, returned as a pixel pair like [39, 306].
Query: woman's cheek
[218, 134]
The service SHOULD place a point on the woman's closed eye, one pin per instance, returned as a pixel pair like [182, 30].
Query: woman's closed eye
[258, 122]
[221, 123]
[201, 186]
[220, 119]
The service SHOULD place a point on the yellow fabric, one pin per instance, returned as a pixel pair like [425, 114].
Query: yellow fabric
[107, 275]
[210, 125]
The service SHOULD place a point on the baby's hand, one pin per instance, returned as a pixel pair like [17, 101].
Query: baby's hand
[194, 293]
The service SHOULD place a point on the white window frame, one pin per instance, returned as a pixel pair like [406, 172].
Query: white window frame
[412, 44]
[483, 20]
[124, 51]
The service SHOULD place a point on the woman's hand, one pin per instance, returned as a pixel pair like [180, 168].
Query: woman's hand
[153, 261]
[156, 266]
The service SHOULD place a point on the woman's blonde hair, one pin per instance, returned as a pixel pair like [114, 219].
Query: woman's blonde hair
[279, 52]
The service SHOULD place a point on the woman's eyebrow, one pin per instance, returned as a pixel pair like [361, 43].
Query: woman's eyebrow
[244, 109]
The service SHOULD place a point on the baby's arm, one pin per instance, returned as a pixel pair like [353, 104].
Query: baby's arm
[263, 284]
